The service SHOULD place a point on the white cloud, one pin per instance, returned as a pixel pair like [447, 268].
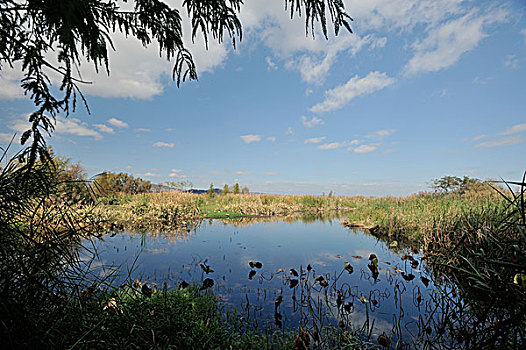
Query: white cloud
[142, 130]
[403, 15]
[271, 138]
[177, 173]
[314, 70]
[447, 42]
[478, 80]
[504, 141]
[5, 137]
[523, 32]
[104, 128]
[479, 137]
[67, 126]
[271, 65]
[289, 131]
[341, 95]
[365, 148]
[308, 92]
[10, 83]
[513, 130]
[511, 61]
[118, 123]
[251, 138]
[332, 145]
[177, 176]
[312, 122]
[382, 133]
[271, 174]
[74, 126]
[163, 144]
[149, 174]
[269, 23]
[242, 173]
[315, 139]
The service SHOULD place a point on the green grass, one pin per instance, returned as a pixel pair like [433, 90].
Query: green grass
[168, 319]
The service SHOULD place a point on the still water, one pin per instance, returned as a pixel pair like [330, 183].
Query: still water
[395, 296]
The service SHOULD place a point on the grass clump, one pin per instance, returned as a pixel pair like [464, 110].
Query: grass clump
[129, 319]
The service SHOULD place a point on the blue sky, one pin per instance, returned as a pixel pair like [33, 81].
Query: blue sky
[422, 89]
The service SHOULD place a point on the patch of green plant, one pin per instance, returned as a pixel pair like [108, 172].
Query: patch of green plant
[222, 214]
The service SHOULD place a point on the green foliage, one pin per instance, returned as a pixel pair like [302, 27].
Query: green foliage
[211, 189]
[245, 190]
[448, 184]
[72, 184]
[236, 189]
[111, 183]
[226, 190]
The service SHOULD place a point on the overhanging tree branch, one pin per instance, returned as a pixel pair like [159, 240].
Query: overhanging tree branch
[32, 31]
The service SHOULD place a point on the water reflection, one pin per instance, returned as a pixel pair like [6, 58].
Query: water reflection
[310, 273]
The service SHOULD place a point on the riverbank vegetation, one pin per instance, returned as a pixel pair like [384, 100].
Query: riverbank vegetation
[472, 236]
[400, 218]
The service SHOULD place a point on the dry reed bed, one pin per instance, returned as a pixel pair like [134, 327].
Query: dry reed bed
[418, 217]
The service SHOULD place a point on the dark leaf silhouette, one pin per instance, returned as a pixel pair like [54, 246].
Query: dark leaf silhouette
[206, 268]
[408, 277]
[255, 264]
[207, 283]
[384, 340]
[425, 281]
[293, 283]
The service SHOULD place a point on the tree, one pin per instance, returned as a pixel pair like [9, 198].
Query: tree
[226, 189]
[211, 189]
[71, 180]
[236, 189]
[109, 183]
[53, 37]
[448, 184]
[244, 190]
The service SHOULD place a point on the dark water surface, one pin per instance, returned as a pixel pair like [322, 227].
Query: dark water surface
[398, 301]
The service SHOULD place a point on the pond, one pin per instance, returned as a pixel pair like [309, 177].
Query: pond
[311, 273]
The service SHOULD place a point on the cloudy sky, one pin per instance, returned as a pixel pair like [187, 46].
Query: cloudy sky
[422, 89]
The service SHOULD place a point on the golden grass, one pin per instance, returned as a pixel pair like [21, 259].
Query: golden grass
[403, 218]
